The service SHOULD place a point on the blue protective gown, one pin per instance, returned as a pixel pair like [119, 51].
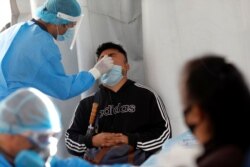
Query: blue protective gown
[4, 162]
[78, 162]
[29, 57]
[58, 162]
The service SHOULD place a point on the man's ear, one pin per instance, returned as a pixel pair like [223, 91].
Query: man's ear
[125, 69]
[127, 66]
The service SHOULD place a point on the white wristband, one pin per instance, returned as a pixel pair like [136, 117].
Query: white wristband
[96, 74]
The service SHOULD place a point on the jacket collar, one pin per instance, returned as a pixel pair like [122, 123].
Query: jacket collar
[123, 88]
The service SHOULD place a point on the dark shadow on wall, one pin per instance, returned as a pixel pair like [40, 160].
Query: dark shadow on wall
[5, 27]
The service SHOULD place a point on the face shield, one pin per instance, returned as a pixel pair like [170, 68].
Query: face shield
[62, 12]
[71, 33]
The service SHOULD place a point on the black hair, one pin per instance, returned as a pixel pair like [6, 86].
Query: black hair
[110, 45]
[220, 90]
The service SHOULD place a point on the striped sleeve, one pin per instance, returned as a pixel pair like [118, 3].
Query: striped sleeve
[75, 139]
[74, 147]
[164, 133]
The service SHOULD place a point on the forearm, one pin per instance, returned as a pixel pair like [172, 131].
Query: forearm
[77, 144]
[150, 140]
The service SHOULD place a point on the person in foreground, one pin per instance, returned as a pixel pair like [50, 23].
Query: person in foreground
[30, 127]
[128, 113]
[29, 56]
[216, 103]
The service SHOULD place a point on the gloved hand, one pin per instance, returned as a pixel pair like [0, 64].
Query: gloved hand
[102, 66]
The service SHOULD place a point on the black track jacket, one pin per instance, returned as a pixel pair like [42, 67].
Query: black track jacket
[134, 110]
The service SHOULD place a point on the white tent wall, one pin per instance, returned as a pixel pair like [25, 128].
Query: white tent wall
[175, 31]
[118, 21]
[21, 10]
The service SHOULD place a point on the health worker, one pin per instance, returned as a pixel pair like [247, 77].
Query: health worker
[30, 128]
[29, 56]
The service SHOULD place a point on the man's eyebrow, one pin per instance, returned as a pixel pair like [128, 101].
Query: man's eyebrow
[111, 54]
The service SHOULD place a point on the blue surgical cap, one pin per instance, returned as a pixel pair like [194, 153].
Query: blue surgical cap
[49, 10]
[29, 110]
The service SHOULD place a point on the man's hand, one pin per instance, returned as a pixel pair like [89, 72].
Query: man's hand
[120, 138]
[105, 139]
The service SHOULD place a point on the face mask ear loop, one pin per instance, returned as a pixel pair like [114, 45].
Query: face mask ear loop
[57, 31]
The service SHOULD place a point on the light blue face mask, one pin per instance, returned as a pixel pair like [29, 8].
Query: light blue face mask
[45, 148]
[66, 36]
[29, 158]
[112, 77]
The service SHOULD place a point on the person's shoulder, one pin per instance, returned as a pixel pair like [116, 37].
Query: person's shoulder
[144, 91]
[144, 88]
[228, 155]
[88, 99]
[11, 28]
[38, 32]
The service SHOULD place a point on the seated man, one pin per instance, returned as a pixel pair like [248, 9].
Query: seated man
[128, 112]
[30, 128]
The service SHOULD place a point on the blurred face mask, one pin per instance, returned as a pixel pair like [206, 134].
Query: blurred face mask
[112, 77]
[29, 158]
[68, 35]
[45, 146]
[71, 33]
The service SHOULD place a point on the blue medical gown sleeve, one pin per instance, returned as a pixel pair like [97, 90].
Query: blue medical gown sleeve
[52, 80]
[37, 63]
[4, 162]
[69, 162]
[78, 162]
